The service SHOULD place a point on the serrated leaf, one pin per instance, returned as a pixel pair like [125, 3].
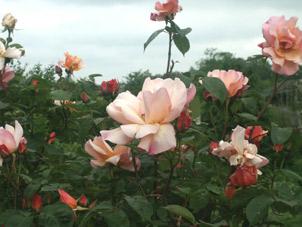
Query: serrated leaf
[181, 211]
[216, 88]
[257, 208]
[141, 206]
[152, 37]
[182, 43]
[280, 135]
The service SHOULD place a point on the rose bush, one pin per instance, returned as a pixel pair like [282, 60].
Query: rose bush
[169, 150]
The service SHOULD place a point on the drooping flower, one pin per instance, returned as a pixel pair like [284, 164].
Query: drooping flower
[110, 87]
[283, 44]
[103, 154]
[148, 115]
[37, 202]
[7, 75]
[72, 63]
[9, 21]
[234, 81]
[255, 134]
[10, 52]
[10, 139]
[164, 10]
[244, 176]
[67, 199]
[239, 151]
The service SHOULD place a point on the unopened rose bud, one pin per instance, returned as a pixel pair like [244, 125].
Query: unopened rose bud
[229, 191]
[184, 121]
[58, 70]
[37, 202]
[9, 21]
[52, 137]
[110, 87]
[84, 97]
[278, 147]
[22, 146]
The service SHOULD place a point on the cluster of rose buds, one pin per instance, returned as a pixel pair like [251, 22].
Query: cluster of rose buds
[72, 202]
[110, 87]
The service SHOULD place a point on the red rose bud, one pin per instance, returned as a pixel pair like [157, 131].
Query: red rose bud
[184, 121]
[35, 83]
[52, 137]
[37, 202]
[278, 147]
[84, 97]
[213, 145]
[229, 191]
[255, 134]
[83, 200]
[244, 176]
[22, 146]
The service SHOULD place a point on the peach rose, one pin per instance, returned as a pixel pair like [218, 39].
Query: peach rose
[147, 116]
[234, 81]
[283, 44]
[10, 139]
[103, 154]
[72, 63]
[171, 7]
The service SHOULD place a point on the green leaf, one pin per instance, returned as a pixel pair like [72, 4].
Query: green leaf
[60, 95]
[185, 31]
[182, 43]
[248, 116]
[116, 218]
[181, 211]
[141, 206]
[152, 37]
[280, 135]
[13, 218]
[216, 87]
[257, 208]
[3, 105]
[56, 215]
[290, 174]
[16, 45]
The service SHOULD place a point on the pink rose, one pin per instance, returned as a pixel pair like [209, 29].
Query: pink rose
[234, 81]
[7, 75]
[170, 8]
[103, 154]
[10, 139]
[283, 44]
[148, 115]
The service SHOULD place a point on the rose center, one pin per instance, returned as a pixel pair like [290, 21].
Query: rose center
[286, 44]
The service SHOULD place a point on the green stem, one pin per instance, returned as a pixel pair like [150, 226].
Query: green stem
[226, 117]
[136, 173]
[169, 54]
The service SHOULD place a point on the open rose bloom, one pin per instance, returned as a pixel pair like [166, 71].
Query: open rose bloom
[72, 63]
[148, 115]
[170, 8]
[283, 44]
[103, 154]
[11, 138]
[234, 81]
[239, 151]
[10, 52]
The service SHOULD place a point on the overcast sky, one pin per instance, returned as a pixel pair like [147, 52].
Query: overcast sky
[109, 35]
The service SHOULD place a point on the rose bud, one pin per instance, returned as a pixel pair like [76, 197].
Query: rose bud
[52, 137]
[37, 202]
[58, 70]
[278, 147]
[244, 176]
[84, 96]
[67, 199]
[83, 200]
[229, 191]
[22, 145]
[184, 121]
[255, 134]
[9, 21]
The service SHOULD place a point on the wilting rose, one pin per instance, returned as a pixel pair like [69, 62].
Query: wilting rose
[37, 202]
[147, 116]
[184, 121]
[164, 10]
[244, 176]
[278, 147]
[255, 134]
[283, 44]
[7, 75]
[103, 154]
[10, 139]
[72, 63]
[110, 87]
[52, 137]
[67, 199]
[239, 151]
[234, 81]
[10, 52]
[9, 21]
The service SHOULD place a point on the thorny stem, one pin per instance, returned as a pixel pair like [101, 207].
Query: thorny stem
[275, 88]
[226, 117]
[136, 173]
[168, 71]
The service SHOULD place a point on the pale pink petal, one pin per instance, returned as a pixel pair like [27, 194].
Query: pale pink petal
[8, 140]
[191, 92]
[116, 136]
[13, 52]
[130, 130]
[113, 160]
[97, 163]
[18, 134]
[238, 138]
[147, 129]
